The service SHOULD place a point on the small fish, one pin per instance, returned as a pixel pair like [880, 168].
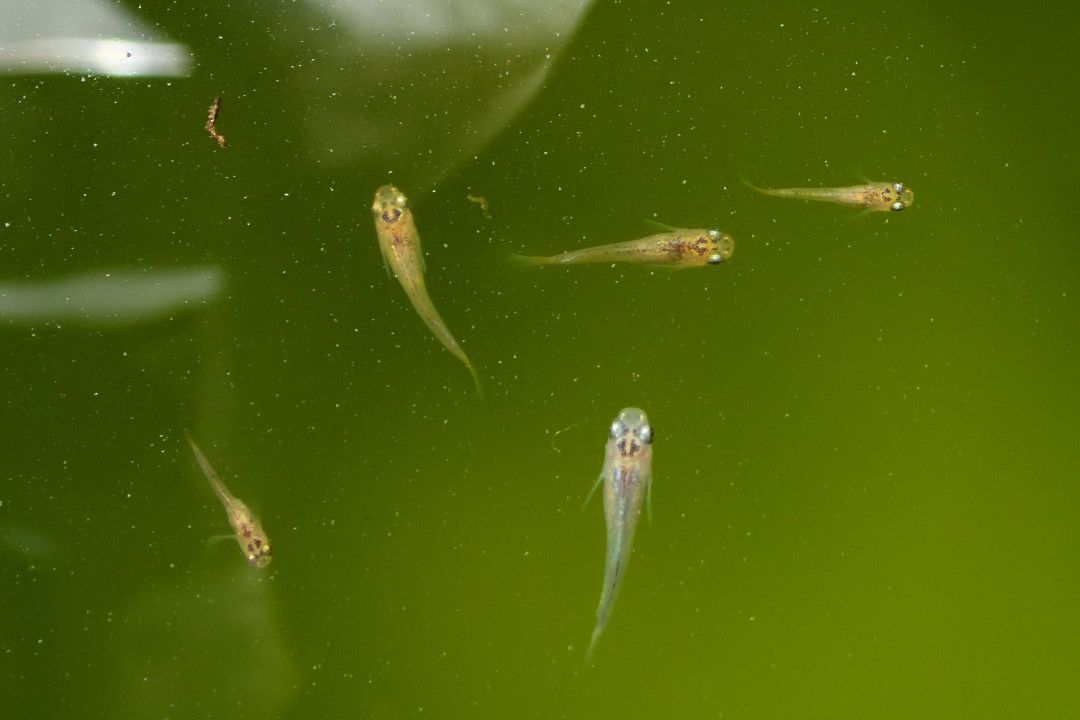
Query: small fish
[211, 123]
[875, 196]
[400, 246]
[679, 248]
[627, 481]
[249, 533]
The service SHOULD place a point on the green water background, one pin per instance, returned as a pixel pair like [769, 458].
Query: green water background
[867, 427]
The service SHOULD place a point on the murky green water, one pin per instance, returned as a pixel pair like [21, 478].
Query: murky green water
[866, 427]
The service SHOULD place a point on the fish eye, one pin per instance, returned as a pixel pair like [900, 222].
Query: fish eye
[897, 206]
[714, 234]
[616, 430]
[716, 259]
[898, 187]
[645, 433]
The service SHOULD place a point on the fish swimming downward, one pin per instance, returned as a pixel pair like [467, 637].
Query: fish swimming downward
[249, 533]
[399, 243]
[627, 481]
[678, 248]
[874, 197]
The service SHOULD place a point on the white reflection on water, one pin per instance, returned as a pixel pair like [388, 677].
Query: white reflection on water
[438, 21]
[29, 544]
[94, 37]
[203, 648]
[121, 58]
[110, 298]
[419, 85]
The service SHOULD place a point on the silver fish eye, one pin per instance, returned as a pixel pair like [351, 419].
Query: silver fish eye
[898, 187]
[897, 206]
[714, 234]
[616, 430]
[645, 433]
[716, 259]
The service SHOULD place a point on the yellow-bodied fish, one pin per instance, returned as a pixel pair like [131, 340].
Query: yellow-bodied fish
[679, 248]
[399, 243]
[627, 481]
[249, 533]
[875, 196]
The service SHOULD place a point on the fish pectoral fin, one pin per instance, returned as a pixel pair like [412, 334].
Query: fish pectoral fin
[662, 226]
[648, 501]
[861, 214]
[216, 539]
[385, 261]
[856, 173]
[592, 492]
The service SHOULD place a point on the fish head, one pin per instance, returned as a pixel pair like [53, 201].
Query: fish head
[631, 433]
[258, 551]
[700, 246]
[720, 246]
[389, 205]
[897, 196]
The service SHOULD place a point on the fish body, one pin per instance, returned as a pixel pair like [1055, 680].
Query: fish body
[679, 248]
[627, 482]
[876, 196]
[250, 536]
[399, 243]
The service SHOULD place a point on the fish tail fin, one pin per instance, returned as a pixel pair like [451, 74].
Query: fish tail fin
[752, 186]
[200, 458]
[589, 651]
[527, 260]
[476, 380]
